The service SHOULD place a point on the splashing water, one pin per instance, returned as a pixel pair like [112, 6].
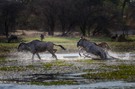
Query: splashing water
[26, 58]
[122, 56]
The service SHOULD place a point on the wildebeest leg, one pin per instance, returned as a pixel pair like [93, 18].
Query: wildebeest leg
[33, 56]
[54, 50]
[38, 56]
[51, 51]
[87, 55]
[103, 55]
[81, 50]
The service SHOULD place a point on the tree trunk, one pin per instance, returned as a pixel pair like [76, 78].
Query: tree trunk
[83, 29]
[6, 29]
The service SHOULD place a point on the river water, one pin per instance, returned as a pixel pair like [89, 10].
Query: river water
[100, 85]
[73, 56]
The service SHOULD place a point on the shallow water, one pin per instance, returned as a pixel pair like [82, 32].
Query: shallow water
[26, 59]
[123, 55]
[72, 56]
[100, 85]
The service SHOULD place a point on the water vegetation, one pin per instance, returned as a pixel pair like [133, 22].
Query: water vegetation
[114, 72]
[17, 68]
[57, 63]
[12, 68]
[57, 82]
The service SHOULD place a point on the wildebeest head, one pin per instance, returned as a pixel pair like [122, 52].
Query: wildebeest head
[23, 47]
[80, 42]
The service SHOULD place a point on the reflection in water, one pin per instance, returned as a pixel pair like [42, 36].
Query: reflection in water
[101, 85]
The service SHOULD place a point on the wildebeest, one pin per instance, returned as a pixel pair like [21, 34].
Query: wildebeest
[42, 37]
[114, 37]
[103, 45]
[12, 38]
[37, 46]
[92, 48]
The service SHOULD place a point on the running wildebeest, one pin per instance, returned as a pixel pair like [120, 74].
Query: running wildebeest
[37, 46]
[92, 48]
[103, 45]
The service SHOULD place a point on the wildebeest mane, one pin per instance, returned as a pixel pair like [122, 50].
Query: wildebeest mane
[20, 45]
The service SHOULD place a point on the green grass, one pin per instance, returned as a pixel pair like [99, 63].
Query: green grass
[12, 68]
[88, 61]
[17, 68]
[54, 39]
[99, 39]
[5, 48]
[56, 63]
[122, 46]
[131, 37]
[2, 59]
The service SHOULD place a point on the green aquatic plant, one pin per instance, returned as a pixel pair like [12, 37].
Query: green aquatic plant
[49, 65]
[2, 59]
[120, 72]
[17, 68]
[12, 68]
[86, 61]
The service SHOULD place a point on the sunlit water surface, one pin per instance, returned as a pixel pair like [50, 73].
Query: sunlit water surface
[100, 85]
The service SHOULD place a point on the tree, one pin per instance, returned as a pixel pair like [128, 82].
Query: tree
[9, 12]
[49, 13]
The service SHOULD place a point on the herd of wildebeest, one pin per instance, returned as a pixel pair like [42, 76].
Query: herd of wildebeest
[85, 47]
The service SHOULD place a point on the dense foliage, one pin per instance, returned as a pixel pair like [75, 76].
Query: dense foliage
[90, 17]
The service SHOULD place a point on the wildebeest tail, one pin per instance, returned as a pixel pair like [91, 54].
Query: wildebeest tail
[60, 46]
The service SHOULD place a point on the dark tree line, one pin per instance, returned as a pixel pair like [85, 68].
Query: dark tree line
[90, 17]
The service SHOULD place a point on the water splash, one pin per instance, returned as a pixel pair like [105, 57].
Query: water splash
[26, 58]
[122, 55]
